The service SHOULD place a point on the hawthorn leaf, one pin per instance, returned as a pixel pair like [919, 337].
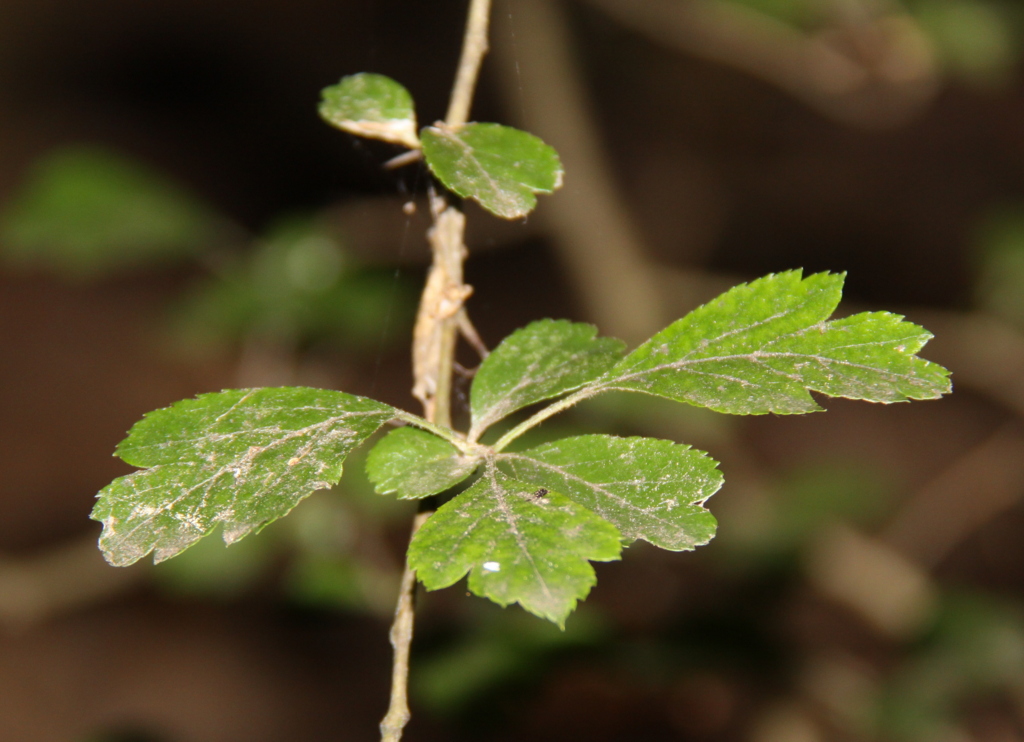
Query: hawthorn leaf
[542, 360]
[414, 463]
[500, 167]
[649, 489]
[240, 458]
[762, 347]
[372, 106]
[518, 544]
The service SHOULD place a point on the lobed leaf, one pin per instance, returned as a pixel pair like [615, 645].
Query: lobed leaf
[372, 106]
[542, 360]
[241, 458]
[500, 167]
[648, 488]
[762, 347]
[413, 463]
[519, 546]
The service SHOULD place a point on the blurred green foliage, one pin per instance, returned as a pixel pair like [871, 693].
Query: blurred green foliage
[296, 284]
[501, 649]
[975, 650]
[976, 41]
[979, 41]
[1000, 257]
[85, 212]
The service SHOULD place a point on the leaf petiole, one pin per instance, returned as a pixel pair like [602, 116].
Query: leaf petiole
[552, 409]
[441, 431]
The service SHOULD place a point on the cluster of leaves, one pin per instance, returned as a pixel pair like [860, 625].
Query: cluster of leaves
[527, 523]
[524, 525]
[500, 167]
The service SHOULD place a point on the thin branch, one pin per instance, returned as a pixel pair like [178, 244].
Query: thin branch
[474, 47]
[401, 639]
[974, 489]
[440, 431]
[441, 317]
[440, 313]
[887, 77]
[406, 158]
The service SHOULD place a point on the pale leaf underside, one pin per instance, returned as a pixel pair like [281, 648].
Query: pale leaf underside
[372, 106]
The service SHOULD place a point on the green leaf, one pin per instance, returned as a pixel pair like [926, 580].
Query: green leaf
[372, 106]
[518, 545]
[542, 360]
[88, 212]
[414, 463]
[648, 488]
[761, 347]
[498, 166]
[241, 458]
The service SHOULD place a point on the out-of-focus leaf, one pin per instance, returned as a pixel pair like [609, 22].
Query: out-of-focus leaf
[1000, 285]
[975, 39]
[800, 13]
[85, 211]
[299, 284]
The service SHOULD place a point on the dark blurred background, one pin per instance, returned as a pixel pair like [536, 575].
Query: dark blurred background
[175, 219]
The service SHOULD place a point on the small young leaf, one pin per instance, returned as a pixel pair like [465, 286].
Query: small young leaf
[519, 545]
[498, 166]
[542, 360]
[372, 106]
[414, 463]
[241, 458]
[648, 488]
[761, 347]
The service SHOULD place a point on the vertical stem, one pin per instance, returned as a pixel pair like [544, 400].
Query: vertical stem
[474, 46]
[434, 348]
[401, 639]
[443, 395]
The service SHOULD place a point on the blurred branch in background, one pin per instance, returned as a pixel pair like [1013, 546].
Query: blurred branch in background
[61, 579]
[977, 487]
[591, 228]
[869, 65]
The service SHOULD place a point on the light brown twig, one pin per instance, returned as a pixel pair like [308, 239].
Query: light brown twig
[877, 69]
[401, 640]
[474, 46]
[441, 317]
